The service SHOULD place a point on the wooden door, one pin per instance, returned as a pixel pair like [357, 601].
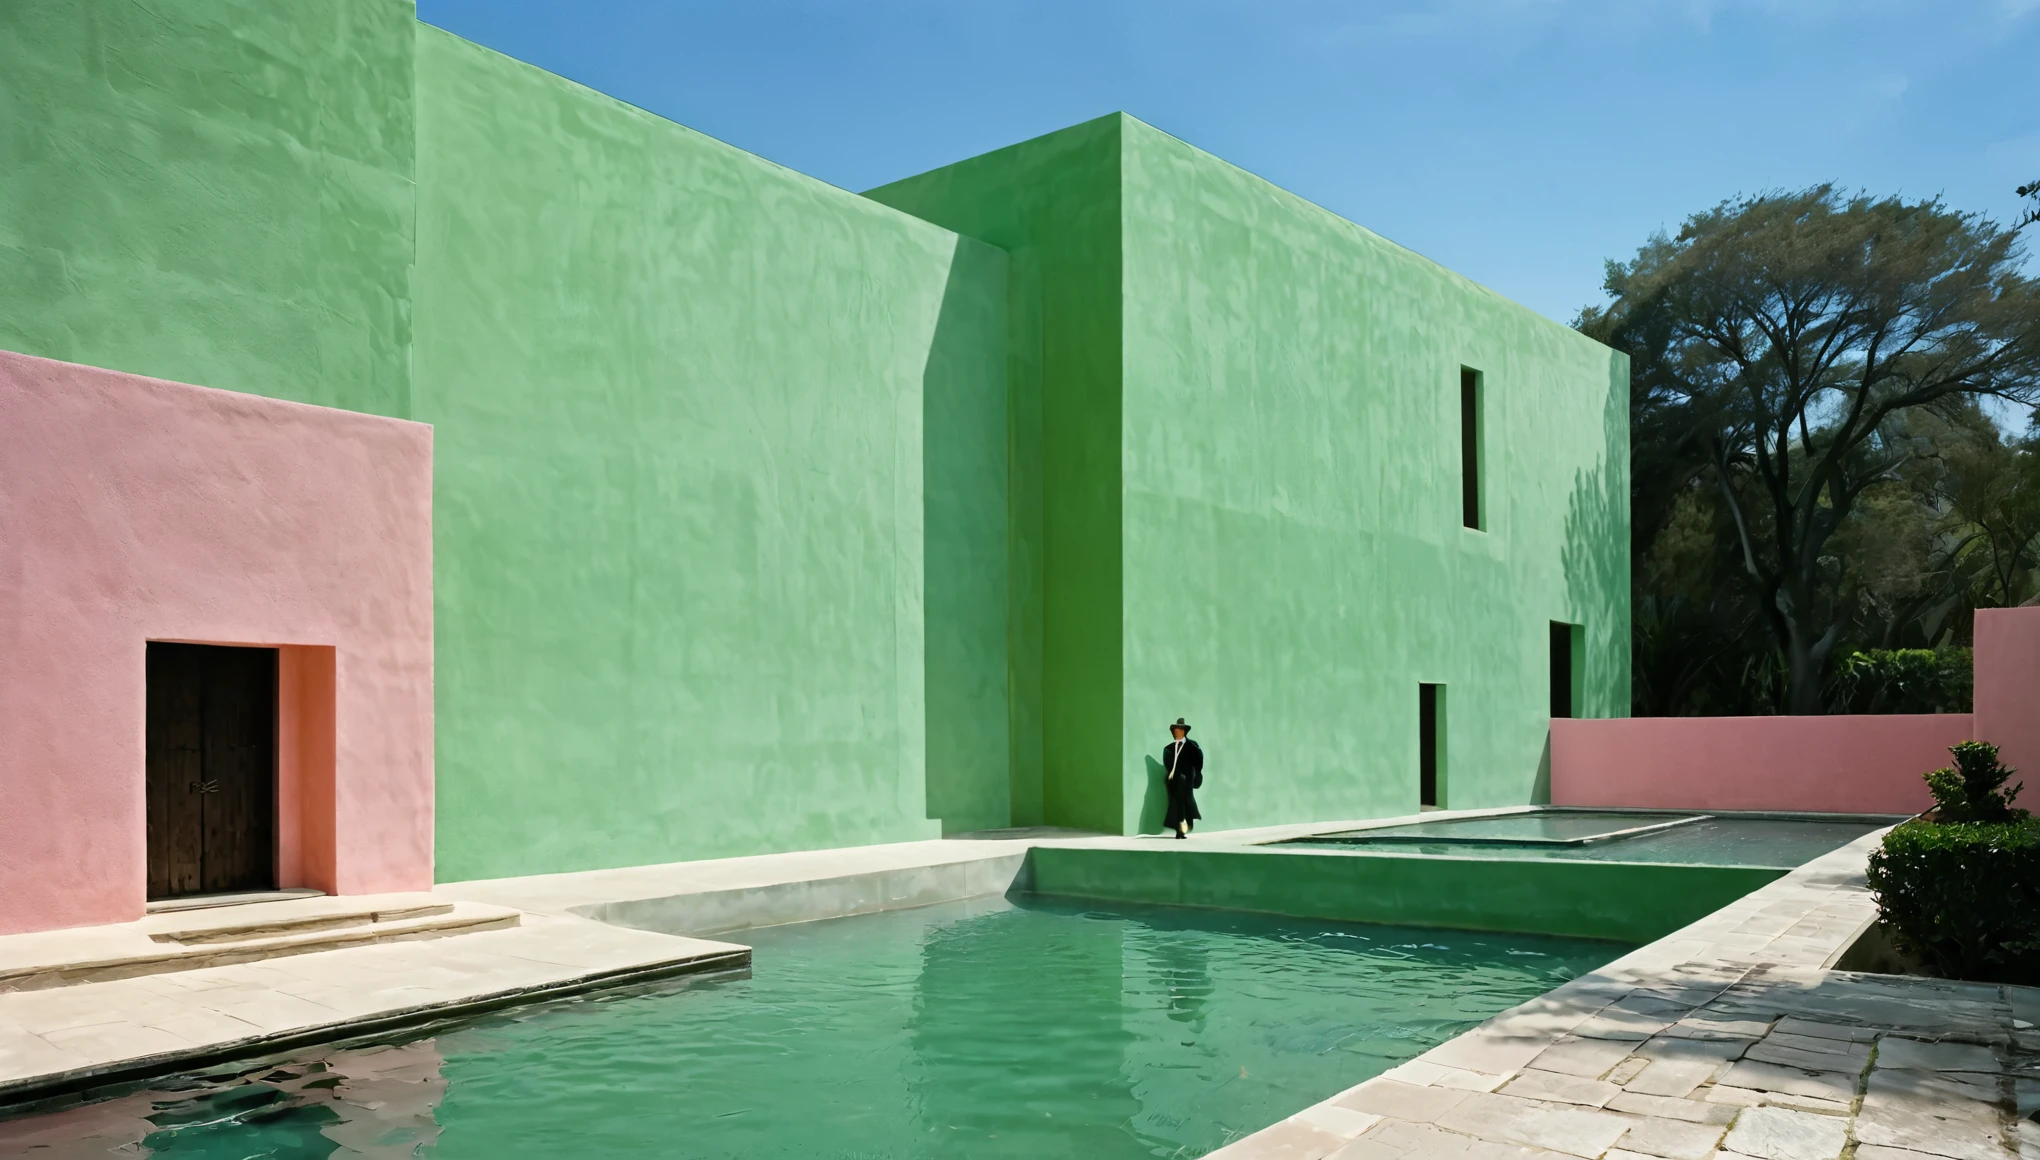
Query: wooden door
[211, 769]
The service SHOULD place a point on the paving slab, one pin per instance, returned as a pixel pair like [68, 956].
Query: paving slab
[1778, 1134]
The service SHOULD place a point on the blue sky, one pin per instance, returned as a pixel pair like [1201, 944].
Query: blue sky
[1520, 142]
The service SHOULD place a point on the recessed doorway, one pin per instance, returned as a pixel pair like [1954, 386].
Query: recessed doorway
[1430, 746]
[1565, 648]
[211, 769]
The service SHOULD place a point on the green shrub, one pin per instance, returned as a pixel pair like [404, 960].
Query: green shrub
[1904, 680]
[1959, 889]
[1964, 897]
[1973, 791]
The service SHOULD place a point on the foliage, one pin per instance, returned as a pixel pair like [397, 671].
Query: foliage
[1973, 789]
[1812, 474]
[1904, 680]
[2029, 190]
[1963, 897]
[1960, 887]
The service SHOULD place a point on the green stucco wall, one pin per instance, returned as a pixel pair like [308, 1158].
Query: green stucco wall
[1052, 203]
[769, 516]
[1295, 556]
[1270, 544]
[721, 476]
[680, 397]
[218, 193]
[1622, 901]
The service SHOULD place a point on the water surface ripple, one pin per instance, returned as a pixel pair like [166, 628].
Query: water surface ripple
[975, 1029]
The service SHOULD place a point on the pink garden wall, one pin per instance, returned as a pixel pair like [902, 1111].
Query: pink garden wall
[1841, 764]
[133, 509]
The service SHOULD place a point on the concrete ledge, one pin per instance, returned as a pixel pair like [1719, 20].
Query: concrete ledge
[188, 941]
[776, 904]
[724, 894]
[66, 1083]
[72, 1039]
[1630, 902]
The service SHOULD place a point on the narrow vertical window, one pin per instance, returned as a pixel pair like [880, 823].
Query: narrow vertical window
[1564, 670]
[1430, 744]
[1469, 445]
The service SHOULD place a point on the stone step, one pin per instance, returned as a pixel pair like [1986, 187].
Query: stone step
[241, 898]
[186, 946]
[249, 931]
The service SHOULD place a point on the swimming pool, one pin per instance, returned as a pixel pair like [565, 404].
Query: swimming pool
[990, 1028]
[1770, 842]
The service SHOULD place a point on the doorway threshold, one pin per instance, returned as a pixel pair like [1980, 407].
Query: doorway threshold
[243, 898]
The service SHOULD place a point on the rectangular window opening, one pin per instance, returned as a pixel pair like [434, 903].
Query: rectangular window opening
[1430, 746]
[1469, 445]
[1565, 693]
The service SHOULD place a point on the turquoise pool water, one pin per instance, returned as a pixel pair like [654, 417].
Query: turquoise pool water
[980, 1029]
[1724, 840]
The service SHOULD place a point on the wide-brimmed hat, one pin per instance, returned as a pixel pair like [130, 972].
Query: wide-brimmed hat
[1181, 724]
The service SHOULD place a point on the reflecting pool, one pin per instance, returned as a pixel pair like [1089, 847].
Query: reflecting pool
[988, 1028]
[1777, 843]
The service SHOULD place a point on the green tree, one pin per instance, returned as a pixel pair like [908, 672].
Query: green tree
[1778, 342]
[2031, 191]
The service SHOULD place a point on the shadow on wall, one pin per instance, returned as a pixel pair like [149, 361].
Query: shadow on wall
[1154, 803]
[1595, 555]
[964, 471]
[1596, 559]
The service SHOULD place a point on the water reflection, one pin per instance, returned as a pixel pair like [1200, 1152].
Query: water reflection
[982, 1029]
[371, 1101]
[999, 1072]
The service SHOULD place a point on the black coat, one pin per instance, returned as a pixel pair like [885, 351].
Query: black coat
[1182, 768]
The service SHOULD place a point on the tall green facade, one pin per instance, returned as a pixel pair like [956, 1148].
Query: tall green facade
[1253, 492]
[768, 516]
[684, 540]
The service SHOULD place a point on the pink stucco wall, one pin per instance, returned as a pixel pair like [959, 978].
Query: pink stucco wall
[1824, 764]
[2008, 689]
[133, 509]
[1842, 765]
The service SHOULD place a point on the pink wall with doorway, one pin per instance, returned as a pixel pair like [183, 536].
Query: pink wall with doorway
[133, 509]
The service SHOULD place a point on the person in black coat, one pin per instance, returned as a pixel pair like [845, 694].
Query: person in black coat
[1183, 772]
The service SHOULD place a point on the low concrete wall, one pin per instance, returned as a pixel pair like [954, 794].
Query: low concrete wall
[776, 904]
[1621, 901]
[1837, 765]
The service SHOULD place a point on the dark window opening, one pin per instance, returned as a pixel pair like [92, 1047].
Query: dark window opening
[1469, 445]
[1562, 670]
[1428, 726]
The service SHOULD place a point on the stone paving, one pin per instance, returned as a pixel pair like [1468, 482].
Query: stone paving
[103, 1032]
[1725, 1040]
